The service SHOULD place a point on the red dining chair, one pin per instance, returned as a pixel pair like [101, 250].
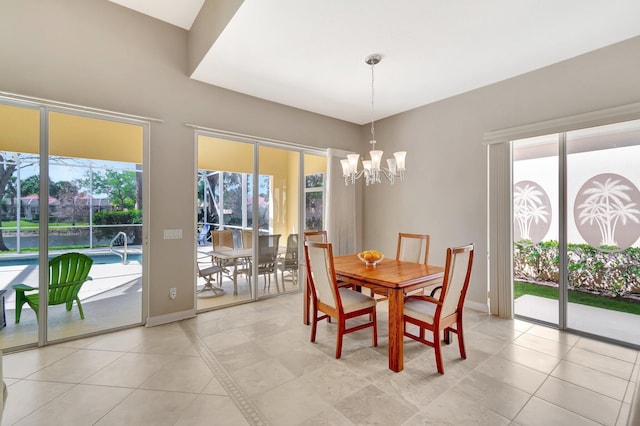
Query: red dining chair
[331, 301]
[319, 237]
[413, 247]
[440, 314]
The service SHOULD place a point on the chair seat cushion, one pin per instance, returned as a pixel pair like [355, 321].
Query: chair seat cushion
[210, 270]
[420, 310]
[354, 300]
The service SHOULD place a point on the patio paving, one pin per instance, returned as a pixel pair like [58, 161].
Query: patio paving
[615, 325]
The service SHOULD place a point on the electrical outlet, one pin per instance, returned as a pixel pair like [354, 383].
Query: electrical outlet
[172, 293]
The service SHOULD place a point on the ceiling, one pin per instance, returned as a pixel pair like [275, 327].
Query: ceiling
[310, 54]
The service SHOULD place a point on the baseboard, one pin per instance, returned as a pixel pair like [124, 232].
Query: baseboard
[172, 317]
[476, 306]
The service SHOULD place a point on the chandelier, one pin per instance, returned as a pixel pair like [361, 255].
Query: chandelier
[371, 169]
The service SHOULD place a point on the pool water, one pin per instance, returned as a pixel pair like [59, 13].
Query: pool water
[98, 259]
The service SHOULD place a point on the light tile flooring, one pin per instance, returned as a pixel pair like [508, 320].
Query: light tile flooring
[254, 364]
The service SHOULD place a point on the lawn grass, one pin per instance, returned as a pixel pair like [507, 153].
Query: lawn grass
[521, 288]
[30, 225]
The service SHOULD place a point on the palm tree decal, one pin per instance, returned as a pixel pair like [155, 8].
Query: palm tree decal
[528, 208]
[607, 205]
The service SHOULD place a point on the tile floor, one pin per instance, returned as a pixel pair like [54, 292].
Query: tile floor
[254, 364]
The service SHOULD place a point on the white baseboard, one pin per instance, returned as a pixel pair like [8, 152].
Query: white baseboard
[477, 306]
[172, 317]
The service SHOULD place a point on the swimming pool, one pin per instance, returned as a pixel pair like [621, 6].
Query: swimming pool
[98, 259]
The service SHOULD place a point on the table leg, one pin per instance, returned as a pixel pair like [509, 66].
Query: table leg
[396, 330]
[235, 277]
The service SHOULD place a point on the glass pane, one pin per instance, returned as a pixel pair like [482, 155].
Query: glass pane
[278, 198]
[535, 228]
[314, 169]
[19, 216]
[603, 177]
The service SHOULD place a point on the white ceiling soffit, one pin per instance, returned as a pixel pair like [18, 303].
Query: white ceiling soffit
[310, 54]
[180, 13]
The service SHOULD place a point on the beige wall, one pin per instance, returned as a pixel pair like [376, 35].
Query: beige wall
[445, 192]
[101, 55]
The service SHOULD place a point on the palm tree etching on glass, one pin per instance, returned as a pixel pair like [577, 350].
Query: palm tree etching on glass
[606, 213]
[531, 211]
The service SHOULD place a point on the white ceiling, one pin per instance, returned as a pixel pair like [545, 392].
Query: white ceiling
[310, 54]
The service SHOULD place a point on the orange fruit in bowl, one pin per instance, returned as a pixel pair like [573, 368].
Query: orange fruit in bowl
[370, 256]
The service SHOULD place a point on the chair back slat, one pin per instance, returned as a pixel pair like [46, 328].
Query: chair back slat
[321, 273]
[413, 248]
[456, 279]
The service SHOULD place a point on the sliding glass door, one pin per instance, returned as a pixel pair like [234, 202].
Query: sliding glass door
[225, 221]
[19, 220]
[536, 228]
[253, 200]
[576, 230]
[88, 168]
[603, 226]
[95, 208]
[279, 221]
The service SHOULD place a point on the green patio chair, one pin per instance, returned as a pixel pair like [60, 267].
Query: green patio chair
[67, 273]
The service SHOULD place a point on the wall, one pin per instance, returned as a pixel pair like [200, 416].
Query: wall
[445, 192]
[101, 55]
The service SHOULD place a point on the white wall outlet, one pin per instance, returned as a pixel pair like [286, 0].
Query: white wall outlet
[173, 292]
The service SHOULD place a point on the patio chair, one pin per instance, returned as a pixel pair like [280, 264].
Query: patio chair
[207, 269]
[67, 273]
[247, 238]
[440, 314]
[335, 302]
[204, 235]
[290, 260]
[222, 238]
[267, 258]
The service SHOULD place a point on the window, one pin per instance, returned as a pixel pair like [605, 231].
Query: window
[314, 202]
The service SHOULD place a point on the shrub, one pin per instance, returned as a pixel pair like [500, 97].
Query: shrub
[589, 269]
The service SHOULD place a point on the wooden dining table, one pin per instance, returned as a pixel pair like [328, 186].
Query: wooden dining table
[394, 278]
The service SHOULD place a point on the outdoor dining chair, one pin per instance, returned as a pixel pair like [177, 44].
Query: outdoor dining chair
[440, 314]
[289, 262]
[204, 235]
[267, 258]
[210, 272]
